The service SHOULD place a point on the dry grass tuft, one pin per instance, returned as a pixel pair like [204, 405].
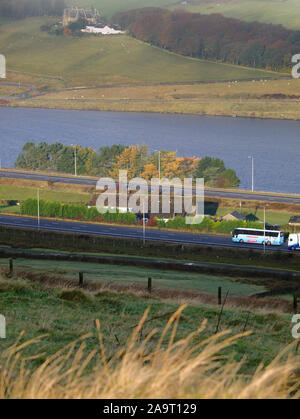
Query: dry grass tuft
[187, 368]
[74, 295]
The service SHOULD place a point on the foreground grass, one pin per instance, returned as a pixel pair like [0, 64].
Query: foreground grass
[187, 368]
[64, 315]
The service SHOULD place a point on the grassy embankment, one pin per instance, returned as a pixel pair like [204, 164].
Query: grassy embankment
[84, 245]
[134, 72]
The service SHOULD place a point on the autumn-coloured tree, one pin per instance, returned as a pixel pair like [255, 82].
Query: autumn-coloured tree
[188, 166]
[132, 159]
[150, 171]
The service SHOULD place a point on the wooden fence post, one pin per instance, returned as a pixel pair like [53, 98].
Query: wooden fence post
[220, 296]
[11, 267]
[81, 279]
[150, 285]
[295, 304]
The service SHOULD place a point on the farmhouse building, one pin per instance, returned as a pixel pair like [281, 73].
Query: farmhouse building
[74, 14]
[234, 216]
[101, 31]
[295, 221]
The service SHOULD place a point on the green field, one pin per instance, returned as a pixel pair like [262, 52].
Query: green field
[65, 315]
[105, 60]
[126, 275]
[14, 193]
[286, 12]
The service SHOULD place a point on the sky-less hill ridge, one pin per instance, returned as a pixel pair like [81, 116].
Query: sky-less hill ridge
[285, 12]
[105, 60]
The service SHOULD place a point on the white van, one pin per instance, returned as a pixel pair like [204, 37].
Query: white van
[294, 242]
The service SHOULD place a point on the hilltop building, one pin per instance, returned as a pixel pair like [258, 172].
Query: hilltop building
[74, 14]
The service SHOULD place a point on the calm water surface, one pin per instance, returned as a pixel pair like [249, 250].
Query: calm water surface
[274, 144]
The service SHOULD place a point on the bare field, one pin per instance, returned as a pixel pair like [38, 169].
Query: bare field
[262, 99]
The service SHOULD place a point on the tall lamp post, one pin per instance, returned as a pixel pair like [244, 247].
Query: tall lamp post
[144, 224]
[75, 157]
[252, 171]
[265, 228]
[159, 163]
[38, 204]
[38, 207]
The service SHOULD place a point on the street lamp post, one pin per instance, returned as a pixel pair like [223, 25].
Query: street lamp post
[38, 202]
[159, 163]
[75, 161]
[144, 223]
[75, 158]
[38, 207]
[252, 171]
[159, 167]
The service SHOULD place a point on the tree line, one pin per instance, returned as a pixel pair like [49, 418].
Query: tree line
[213, 37]
[20, 9]
[137, 160]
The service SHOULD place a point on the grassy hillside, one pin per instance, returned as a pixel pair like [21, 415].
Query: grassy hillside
[285, 12]
[104, 60]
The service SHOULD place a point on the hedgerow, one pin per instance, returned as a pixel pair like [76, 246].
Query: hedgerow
[68, 211]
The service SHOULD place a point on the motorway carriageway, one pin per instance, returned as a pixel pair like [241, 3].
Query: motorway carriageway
[130, 233]
[256, 196]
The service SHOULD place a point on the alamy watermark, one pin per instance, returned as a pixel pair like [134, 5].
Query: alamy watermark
[296, 67]
[136, 195]
[2, 327]
[2, 67]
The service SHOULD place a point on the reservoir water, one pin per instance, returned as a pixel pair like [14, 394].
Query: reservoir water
[275, 144]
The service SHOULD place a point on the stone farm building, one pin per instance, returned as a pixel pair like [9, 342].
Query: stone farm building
[74, 14]
[295, 221]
